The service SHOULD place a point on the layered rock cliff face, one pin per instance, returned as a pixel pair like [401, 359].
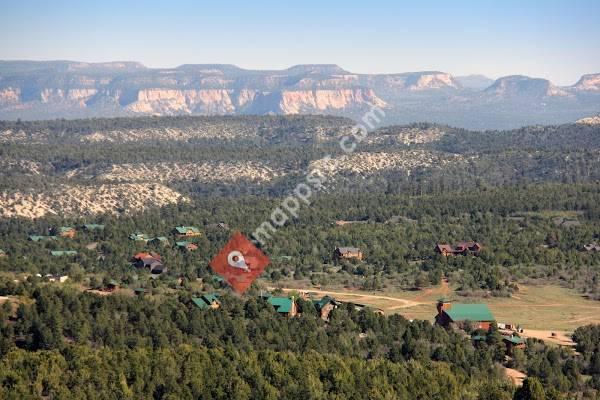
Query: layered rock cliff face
[524, 86]
[78, 96]
[54, 89]
[130, 88]
[224, 101]
[295, 102]
[589, 82]
[173, 101]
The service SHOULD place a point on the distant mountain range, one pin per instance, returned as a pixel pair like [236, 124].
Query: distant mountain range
[66, 89]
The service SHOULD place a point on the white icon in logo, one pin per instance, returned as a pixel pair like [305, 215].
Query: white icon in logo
[236, 260]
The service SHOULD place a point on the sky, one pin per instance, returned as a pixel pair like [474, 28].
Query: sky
[556, 40]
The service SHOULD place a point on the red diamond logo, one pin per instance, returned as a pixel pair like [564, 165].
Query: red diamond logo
[240, 262]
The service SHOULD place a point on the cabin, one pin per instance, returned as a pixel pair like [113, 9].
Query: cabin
[207, 301]
[283, 305]
[478, 316]
[151, 260]
[465, 248]
[65, 231]
[186, 231]
[347, 253]
[159, 240]
[93, 227]
[139, 291]
[56, 278]
[325, 306]
[220, 225]
[218, 281]
[444, 249]
[61, 253]
[40, 238]
[513, 342]
[462, 248]
[111, 286]
[188, 246]
[139, 237]
[157, 267]
[143, 254]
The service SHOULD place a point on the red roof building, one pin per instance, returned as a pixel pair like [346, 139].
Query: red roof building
[462, 248]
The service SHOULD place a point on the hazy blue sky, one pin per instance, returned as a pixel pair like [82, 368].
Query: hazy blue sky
[558, 40]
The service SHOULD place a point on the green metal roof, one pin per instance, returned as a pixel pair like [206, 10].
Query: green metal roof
[113, 282]
[139, 236]
[211, 297]
[185, 229]
[281, 304]
[199, 301]
[470, 312]
[160, 238]
[478, 338]
[323, 302]
[204, 301]
[182, 244]
[37, 238]
[58, 253]
[513, 339]
[92, 227]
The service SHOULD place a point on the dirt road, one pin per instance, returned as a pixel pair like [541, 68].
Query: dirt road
[387, 302]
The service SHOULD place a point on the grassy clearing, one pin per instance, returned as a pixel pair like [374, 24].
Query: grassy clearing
[543, 307]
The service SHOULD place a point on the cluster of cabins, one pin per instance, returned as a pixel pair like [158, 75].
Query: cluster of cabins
[68, 232]
[476, 317]
[283, 305]
[184, 239]
[184, 235]
[446, 250]
[286, 306]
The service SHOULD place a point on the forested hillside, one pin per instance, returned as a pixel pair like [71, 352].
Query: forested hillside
[530, 197]
[77, 345]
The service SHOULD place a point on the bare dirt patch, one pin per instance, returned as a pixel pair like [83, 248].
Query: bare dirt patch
[561, 338]
[88, 200]
[517, 377]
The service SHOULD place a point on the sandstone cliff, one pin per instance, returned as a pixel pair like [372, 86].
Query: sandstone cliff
[55, 89]
[589, 82]
[294, 102]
